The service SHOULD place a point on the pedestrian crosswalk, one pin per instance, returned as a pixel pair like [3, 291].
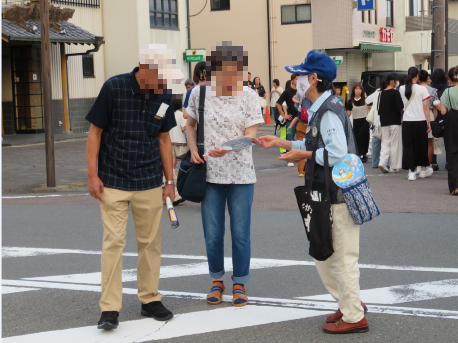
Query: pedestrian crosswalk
[261, 310]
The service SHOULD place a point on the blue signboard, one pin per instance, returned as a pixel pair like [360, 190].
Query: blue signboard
[364, 5]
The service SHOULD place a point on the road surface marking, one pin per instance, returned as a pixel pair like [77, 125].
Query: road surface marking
[179, 270]
[403, 293]
[26, 252]
[10, 290]
[186, 324]
[43, 196]
[274, 302]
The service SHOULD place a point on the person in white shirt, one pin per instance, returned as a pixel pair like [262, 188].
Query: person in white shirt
[274, 95]
[415, 126]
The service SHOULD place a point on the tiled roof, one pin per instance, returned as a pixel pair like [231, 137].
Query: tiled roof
[73, 33]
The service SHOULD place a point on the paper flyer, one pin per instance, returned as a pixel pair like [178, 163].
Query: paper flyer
[238, 143]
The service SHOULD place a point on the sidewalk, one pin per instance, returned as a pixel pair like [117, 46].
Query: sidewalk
[24, 162]
[26, 139]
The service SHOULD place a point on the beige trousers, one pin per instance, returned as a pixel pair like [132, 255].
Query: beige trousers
[340, 272]
[146, 210]
[391, 146]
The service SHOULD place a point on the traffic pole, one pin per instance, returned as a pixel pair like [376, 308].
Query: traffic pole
[47, 93]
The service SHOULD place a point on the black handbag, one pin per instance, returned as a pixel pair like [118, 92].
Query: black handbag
[438, 124]
[316, 214]
[192, 178]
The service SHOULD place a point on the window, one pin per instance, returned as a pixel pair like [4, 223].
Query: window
[369, 17]
[389, 13]
[220, 5]
[362, 16]
[296, 14]
[375, 13]
[163, 14]
[88, 66]
[413, 8]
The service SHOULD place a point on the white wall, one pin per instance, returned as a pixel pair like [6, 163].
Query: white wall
[90, 19]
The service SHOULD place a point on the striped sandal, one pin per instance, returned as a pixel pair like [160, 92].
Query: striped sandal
[215, 296]
[239, 295]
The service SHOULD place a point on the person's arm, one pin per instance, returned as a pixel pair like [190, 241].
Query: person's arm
[427, 115]
[165, 149]
[334, 138]
[95, 185]
[294, 121]
[98, 116]
[280, 108]
[272, 91]
[191, 132]
[185, 113]
[443, 108]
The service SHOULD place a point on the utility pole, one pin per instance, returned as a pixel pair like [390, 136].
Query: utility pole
[47, 92]
[439, 34]
[446, 36]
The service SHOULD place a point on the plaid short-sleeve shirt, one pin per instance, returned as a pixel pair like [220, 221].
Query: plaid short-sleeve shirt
[129, 157]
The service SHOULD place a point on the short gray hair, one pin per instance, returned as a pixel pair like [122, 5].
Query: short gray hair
[189, 82]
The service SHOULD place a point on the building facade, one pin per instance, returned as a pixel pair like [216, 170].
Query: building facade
[101, 39]
[277, 33]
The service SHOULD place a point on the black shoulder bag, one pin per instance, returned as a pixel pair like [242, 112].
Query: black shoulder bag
[192, 178]
[438, 124]
[317, 214]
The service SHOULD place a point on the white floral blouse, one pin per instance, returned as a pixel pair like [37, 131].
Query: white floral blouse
[226, 118]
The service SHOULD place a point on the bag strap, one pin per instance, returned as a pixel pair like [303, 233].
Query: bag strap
[378, 101]
[411, 97]
[327, 176]
[200, 128]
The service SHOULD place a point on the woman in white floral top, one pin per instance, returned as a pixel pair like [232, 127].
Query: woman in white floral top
[231, 111]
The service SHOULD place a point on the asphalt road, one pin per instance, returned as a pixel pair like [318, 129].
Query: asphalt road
[409, 275]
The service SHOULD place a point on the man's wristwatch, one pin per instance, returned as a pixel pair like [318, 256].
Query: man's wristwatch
[170, 183]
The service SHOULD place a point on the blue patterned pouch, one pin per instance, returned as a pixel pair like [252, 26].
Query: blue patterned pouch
[360, 201]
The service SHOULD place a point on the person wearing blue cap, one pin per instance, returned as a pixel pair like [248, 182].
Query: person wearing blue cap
[330, 129]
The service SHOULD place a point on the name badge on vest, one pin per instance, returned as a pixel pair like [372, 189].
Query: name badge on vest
[161, 111]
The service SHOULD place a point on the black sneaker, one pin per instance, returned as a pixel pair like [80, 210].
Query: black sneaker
[108, 320]
[435, 167]
[156, 310]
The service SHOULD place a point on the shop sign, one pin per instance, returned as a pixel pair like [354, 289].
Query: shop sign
[337, 59]
[369, 34]
[386, 35]
[194, 55]
[365, 5]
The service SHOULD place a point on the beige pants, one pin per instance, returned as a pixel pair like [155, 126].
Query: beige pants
[340, 272]
[391, 146]
[147, 211]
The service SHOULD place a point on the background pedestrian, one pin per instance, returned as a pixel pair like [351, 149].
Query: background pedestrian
[358, 110]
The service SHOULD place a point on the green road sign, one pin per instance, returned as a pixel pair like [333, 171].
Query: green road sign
[194, 55]
[337, 59]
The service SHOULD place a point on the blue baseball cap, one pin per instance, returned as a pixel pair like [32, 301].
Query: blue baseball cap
[321, 64]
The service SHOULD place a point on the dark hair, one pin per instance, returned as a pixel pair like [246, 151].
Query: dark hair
[177, 104]
[288, 84]
[402, 80]
[363, 94]
[423, 76]
[254, 80]
[411, 74]
[199, 72]
[384, 82]
[276, 82]
[324, 85]
[338, 87]
[249, 73]
[226, 53]
[439, 76]
[452, 73]
[293, 76]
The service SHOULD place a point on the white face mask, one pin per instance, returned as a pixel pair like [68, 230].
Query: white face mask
[302, 85]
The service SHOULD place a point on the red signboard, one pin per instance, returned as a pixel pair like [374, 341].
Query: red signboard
[386, 35]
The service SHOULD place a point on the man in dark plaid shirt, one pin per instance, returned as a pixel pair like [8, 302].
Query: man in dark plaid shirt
[129, 138]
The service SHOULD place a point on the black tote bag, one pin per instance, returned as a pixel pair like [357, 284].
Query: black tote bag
[192, 178]
[317, 215]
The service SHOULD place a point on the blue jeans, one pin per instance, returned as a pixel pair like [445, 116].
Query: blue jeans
[290, 137]
[239, 200]
[376, 146]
